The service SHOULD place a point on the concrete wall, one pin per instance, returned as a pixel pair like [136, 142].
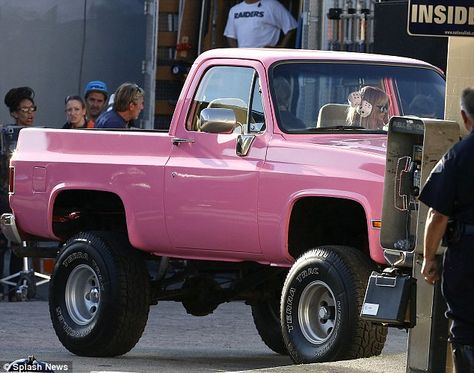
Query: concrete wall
[57, 46]
[460, 75]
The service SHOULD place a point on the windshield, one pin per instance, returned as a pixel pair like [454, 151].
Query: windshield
[313, 97]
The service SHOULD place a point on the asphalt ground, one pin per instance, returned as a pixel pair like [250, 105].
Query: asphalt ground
[225, 341]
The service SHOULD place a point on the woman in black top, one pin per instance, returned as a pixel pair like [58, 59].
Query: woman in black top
[22, 108]
[75, 113]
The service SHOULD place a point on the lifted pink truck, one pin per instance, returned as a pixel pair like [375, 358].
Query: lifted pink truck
[257, 193]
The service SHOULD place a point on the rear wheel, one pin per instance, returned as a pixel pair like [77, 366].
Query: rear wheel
[320, 307]
[99, 295]
[266, 316]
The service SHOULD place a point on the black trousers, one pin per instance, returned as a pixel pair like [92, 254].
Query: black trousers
[463, 358]
[458, 290]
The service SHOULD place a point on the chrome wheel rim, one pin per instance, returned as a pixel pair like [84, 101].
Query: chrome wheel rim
[317, 312]
[82, 294]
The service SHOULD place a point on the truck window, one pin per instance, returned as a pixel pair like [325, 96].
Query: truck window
[257, 117]
[229, 87]
[315, 88]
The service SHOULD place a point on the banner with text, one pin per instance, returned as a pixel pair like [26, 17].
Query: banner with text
[441, 18]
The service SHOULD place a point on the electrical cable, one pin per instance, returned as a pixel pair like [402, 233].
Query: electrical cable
[83, 47]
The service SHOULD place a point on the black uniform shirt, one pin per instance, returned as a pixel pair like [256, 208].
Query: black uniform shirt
[450, 191]
[450, 187]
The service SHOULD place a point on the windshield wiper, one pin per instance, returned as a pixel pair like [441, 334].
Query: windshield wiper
[344, 128]
[332, 128]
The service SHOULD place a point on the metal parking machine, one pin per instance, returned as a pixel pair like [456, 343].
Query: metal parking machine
[399, 296]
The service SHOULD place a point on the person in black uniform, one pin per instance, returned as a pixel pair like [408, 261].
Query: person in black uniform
[449, 192]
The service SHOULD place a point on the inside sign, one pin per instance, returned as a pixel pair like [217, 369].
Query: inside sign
[441, 17]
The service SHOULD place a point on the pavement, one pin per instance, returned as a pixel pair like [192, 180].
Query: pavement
[392, 360]
[393, 363]
[225, 341]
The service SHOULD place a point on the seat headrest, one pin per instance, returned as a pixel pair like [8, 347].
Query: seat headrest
[227, 102]
[332, 115]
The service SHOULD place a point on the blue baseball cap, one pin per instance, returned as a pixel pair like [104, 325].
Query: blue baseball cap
[96, 86]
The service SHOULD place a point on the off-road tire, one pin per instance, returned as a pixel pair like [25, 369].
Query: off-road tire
[99, 295]
[320, 307]
[266, 316]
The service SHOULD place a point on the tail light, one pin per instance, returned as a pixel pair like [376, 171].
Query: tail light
[11, 180]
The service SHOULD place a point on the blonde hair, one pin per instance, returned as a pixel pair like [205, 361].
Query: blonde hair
[126, 94]
[374, 96]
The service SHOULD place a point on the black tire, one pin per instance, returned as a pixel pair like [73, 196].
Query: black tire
[320, 307]
[266, 316]
[99, 295]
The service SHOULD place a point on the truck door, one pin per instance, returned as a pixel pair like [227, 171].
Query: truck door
[210, 191]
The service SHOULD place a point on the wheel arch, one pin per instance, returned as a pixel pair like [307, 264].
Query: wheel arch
[73, 210]
[321, 219]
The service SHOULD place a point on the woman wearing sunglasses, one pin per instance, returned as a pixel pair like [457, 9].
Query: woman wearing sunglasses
[20, 102]
[368, 108]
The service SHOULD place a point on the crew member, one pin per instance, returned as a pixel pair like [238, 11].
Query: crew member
[258, 23]
[95, 97]
[21, 104]
[75, 112]
[127, 106]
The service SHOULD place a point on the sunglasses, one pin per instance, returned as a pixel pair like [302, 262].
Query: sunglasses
[27, 110]
[383, 108]
[138, 92]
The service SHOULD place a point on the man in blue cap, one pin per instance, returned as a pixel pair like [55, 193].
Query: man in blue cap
[95, 96]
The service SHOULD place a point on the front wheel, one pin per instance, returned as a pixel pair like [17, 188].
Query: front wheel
[320, 307]
[99, 295]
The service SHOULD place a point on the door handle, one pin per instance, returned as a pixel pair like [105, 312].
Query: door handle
[177, 141]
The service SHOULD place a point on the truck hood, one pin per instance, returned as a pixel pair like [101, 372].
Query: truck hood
[376, 145]
[336, 155]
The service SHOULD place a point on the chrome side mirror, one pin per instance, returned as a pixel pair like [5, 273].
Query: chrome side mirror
[244, 142]
[217, 120]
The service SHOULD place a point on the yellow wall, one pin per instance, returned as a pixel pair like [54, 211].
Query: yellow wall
[460, 75]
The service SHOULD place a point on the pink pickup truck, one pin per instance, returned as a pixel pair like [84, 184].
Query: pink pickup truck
[260, 192]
